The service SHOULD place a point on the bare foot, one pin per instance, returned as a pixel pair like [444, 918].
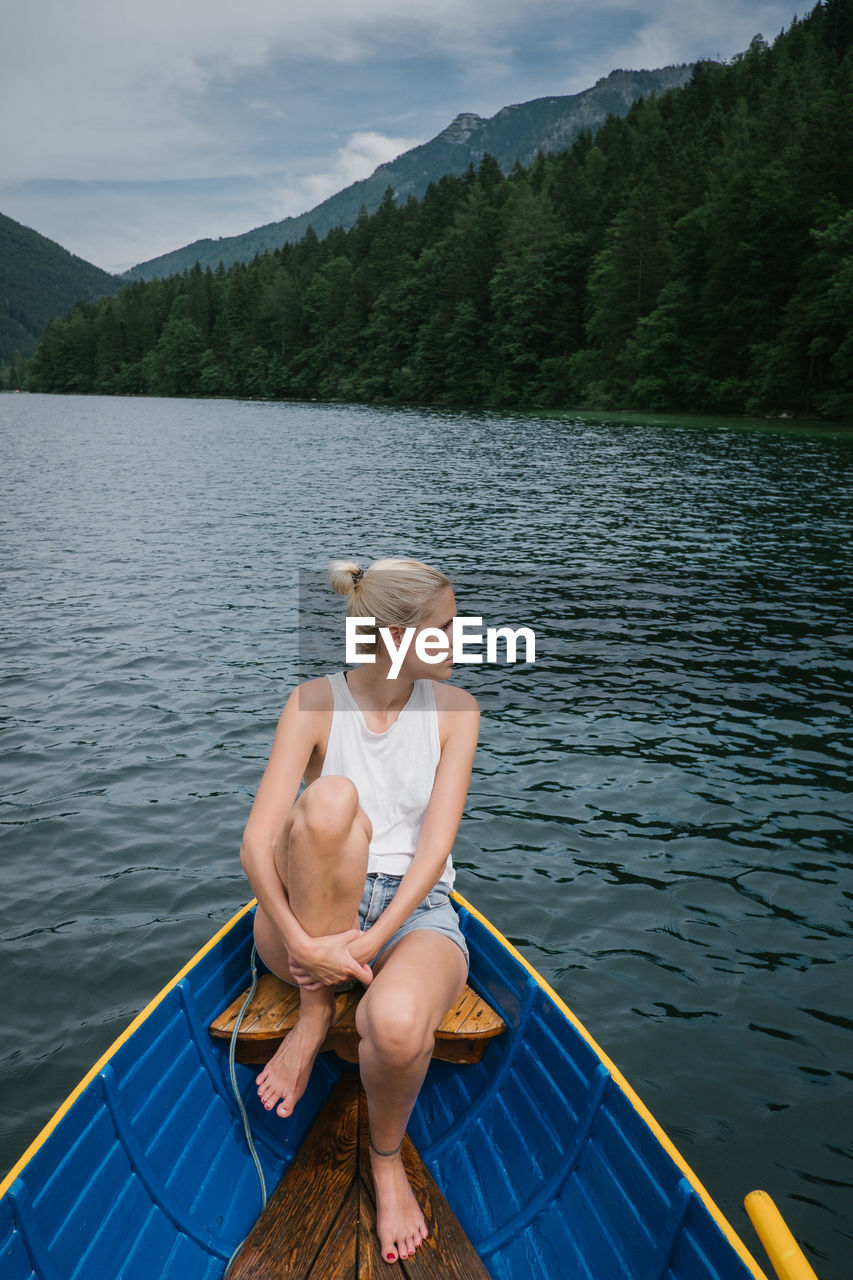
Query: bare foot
[400, 1223]
[287, 1073]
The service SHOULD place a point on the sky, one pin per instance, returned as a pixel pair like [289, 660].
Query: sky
[134, 127]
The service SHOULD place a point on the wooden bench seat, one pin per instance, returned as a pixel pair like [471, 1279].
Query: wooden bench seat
[462, 1036]
[320, 1222]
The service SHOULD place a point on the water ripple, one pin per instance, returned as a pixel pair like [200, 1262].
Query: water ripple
[660, 813]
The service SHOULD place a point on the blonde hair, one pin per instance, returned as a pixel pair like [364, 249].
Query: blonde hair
[394, 591]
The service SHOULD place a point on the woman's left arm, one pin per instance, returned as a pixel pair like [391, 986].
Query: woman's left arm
[440, 825]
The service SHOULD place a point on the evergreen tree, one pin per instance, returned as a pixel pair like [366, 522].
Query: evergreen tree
[173, 366]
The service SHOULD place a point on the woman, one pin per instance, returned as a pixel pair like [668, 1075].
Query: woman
[352, 876]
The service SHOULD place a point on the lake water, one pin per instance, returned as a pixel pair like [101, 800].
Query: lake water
[659, 816]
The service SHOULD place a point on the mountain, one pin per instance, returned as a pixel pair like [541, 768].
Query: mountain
[38, 281]
[516, 133]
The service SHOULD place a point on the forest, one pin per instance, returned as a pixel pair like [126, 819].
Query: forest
[38, 280]
[695, 256]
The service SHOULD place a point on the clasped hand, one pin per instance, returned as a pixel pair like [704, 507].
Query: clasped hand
[329, 960]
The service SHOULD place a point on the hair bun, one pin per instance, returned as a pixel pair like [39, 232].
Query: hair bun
[344, 576]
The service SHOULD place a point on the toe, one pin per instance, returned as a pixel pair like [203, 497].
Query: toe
[269, 1096]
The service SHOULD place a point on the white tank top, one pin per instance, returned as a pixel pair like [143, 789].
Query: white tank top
[394, 771]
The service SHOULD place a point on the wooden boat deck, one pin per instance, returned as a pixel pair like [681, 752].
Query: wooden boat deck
[462, 1036]
[320, 1222]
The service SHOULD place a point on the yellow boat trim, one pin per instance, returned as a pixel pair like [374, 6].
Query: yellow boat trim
[788, 1260]
[715, 1212]
[114, 1047]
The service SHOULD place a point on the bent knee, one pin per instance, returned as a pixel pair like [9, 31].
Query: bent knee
[397, 1032]
[328, 806]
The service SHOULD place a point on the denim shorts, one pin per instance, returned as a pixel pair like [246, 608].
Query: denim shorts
[435, 912]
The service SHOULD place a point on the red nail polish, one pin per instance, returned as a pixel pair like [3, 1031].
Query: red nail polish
[390, 1257]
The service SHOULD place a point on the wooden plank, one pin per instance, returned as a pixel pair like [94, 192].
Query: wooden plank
[345, 1007]
[461, 1036]
[370, 1263]
[304, 1209]
[471, 1016]
[320, 1222]
[481, 1020]
[458, 1012]
[273, 1004]
[338, 1258]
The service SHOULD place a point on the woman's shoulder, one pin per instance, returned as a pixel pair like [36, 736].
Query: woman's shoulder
[313, 695]
[449, 697]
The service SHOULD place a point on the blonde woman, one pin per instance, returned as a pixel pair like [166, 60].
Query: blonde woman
[352, 876]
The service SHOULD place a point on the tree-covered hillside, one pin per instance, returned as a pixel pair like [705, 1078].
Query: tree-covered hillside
[39, 280]
[515, 134]
[696, 255]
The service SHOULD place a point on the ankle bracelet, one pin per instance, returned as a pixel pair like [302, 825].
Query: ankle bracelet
[376, 1150]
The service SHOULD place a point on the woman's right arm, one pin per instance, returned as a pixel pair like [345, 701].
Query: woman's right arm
[314, 961]
[295, 738]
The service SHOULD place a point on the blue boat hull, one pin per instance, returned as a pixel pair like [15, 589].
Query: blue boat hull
[547, 1158]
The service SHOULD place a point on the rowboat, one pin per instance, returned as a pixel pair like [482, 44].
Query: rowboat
[548, 1162]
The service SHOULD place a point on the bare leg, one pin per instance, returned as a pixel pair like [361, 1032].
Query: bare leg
[414, 986]
[322, 864]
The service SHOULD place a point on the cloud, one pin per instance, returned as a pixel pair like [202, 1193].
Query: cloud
[116, 224]
[694, 29]
[357, 159]
[289, 102]
[135, 87]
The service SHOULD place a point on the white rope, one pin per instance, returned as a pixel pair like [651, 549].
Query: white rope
[247, 1130]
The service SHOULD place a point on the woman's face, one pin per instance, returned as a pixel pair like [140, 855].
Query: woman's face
[439, 621]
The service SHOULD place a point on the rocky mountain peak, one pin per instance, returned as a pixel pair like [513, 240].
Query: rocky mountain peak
[460, 129]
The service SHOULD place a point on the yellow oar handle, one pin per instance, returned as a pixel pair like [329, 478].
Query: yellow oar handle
[785, 1254]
